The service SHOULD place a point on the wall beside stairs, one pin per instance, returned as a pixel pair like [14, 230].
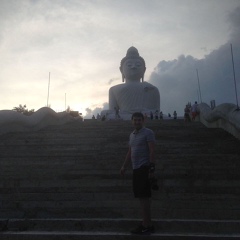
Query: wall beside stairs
[225, 116]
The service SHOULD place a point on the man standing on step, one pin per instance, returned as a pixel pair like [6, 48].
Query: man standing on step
[141, 154]
[194, 111]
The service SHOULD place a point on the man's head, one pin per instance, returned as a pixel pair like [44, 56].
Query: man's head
[132, 66]
[138, 120]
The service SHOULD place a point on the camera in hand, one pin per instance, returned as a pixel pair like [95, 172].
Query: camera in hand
[154, 184]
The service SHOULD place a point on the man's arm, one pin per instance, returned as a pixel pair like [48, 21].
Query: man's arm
[126, 162]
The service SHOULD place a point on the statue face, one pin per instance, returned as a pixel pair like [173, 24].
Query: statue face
[133, 69]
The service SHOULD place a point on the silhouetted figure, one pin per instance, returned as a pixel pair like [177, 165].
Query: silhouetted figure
[145, 116]
[116, 112]
[151, 115]
[194, 111]
[161, 115]
[174, 115]
[187, 114]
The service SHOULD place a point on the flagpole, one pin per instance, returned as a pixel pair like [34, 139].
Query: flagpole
[199, 87]
[48, 88]
[65, 102]
[234, 78]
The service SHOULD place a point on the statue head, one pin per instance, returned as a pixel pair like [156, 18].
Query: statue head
[132, 66]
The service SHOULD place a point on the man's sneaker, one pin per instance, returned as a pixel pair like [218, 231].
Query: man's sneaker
[143, 230]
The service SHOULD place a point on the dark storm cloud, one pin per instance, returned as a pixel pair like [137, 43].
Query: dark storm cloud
[177, 79]
[234, 18]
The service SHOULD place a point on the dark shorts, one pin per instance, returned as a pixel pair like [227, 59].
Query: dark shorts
[141, 183]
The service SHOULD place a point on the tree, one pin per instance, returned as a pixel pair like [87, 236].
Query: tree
[23, 109]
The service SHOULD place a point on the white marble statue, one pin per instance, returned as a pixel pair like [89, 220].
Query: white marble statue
[133, 95]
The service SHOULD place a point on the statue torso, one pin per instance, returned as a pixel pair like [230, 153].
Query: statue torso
[131, 97]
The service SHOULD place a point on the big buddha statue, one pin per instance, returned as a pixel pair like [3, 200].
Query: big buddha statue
[134, 94]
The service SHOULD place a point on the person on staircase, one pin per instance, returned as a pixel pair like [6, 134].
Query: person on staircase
[141, 154]
[194, 111]
[187, 113]
[175, 115]
[161, 115]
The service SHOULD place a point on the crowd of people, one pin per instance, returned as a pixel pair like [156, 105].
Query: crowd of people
[190, 114]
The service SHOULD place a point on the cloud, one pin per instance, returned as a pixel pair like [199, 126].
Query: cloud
[90, 112]
[82, 42]
[234, 18]
[177, 79]
[112, 80]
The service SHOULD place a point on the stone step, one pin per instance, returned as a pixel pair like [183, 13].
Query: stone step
[110, 236]
[118, 229]
[88, 199]
[166, 164]
[35, 205]
[66, 171]
[169, 185]
[123, 225]
[170, 193]
[87, 194]
[70, 149]
[168, 159]
[165, 211]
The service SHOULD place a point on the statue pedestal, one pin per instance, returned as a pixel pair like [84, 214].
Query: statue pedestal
[111, 115]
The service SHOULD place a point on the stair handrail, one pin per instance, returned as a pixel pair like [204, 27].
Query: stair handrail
[12, 121]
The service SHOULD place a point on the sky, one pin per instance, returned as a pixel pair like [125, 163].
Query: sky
[78, 46]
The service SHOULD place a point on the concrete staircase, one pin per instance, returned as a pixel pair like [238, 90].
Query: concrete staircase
[63, 182]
